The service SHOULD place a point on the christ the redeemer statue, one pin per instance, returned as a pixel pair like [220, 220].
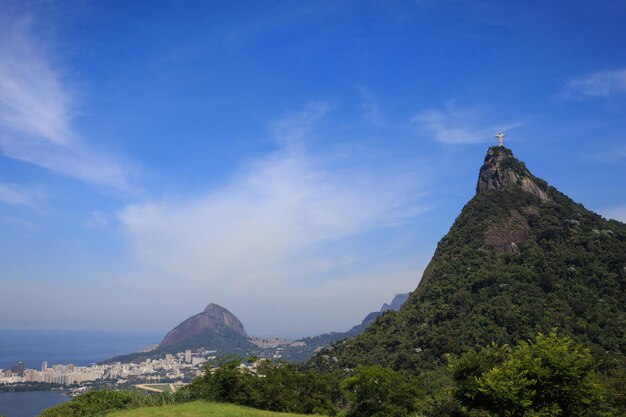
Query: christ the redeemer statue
[500, 137]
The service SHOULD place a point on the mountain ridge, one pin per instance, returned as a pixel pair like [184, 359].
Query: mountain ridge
[228, 336]
[520, 258]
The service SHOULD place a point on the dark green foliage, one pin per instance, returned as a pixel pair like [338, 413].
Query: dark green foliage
[273, 387]
[99, 403]
[569, 271]
[379, 392]
[549, 377]
[565, 275]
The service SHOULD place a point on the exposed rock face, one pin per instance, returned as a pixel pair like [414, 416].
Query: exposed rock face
[508, 236]
[211, 318]
[501, 170]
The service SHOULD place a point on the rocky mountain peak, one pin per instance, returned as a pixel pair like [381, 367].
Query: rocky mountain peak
[212, 318]
[502, 170]
[211, 307]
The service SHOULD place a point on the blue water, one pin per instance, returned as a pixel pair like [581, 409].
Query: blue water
[29, 404]
[79, 347]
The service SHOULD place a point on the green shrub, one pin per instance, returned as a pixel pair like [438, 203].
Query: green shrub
[550, 376]
[100, 402]
[374, 391]
[273, 387]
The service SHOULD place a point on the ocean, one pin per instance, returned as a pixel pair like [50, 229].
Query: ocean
[78, 347]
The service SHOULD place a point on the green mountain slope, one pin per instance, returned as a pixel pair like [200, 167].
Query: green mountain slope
[521, 258]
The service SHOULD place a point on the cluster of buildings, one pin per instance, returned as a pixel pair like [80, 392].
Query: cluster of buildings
[274, 342]
[183, 365]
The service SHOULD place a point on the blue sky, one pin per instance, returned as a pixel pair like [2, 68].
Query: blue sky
[295, 162]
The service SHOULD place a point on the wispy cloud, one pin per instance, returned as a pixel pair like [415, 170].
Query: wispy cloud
[600, 84]
[97, 220]
[293, 129]
[37, 109]
[459, 126]
[277, 220]
[21, 196]
[615, 154]
[371, 108]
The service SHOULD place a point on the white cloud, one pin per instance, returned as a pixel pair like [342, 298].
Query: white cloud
[459, 126]
[16, 195]
[599, 84]
[37, 108]
[278, 222]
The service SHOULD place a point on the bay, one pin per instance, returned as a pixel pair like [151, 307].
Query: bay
[30, 403]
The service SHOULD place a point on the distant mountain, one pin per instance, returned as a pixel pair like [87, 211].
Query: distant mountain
[304, 348]
[215, 328]
[212, 318]
[396, 303]
[521, 258]
[218, 329]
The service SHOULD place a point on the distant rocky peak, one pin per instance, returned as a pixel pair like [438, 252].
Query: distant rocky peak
[212, 318]
[213, 307]
[396, 303]
[502, 170]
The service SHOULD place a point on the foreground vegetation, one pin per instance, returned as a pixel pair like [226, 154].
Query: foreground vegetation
[547, 376]
[199, 409]
[98, 403]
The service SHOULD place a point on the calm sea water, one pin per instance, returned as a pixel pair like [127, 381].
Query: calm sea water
[28, 404]
[80, 347]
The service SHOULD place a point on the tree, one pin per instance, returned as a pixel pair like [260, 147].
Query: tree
[374, 391]
[226, 383]
[550, 376]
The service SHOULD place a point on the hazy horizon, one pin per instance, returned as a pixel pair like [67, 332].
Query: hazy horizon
[293, 162]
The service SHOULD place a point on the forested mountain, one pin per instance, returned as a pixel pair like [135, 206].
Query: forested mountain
[521, 258]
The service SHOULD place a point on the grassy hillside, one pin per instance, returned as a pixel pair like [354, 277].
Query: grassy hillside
[199, 409]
